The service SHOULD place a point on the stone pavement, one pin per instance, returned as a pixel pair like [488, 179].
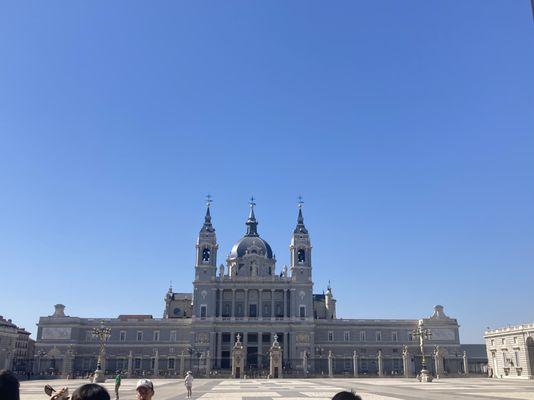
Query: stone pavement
[310, 389]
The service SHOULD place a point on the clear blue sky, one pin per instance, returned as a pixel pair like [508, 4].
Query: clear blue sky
[408, 128]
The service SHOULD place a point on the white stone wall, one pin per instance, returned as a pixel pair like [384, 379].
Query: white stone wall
[509, 356]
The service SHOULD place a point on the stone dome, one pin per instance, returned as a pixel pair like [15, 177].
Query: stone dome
[251, 245]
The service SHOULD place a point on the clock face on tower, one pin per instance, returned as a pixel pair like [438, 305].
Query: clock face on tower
[177, 311]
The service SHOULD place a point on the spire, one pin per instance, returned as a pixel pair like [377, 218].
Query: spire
[300, 228]
[252, 224]
[208, 227]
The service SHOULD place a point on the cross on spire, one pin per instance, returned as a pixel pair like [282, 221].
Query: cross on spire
[251, 202]
[300, 203]
[208, 200]
[300, 219]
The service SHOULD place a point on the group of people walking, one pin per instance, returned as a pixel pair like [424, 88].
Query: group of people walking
[9, 389]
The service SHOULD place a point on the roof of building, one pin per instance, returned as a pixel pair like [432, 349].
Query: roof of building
[474, 350]
[125, 317]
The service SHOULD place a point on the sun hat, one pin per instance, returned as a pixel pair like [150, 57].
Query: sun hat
[145, 383]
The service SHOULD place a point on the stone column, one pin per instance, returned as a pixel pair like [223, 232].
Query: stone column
[355, 363]
[219, 349]
[286, 346]
[182, 364]
[67, 364]
[246, 304]
[406, 362]
[260, 305]
[466, 364]
[438, 361]
[232, 313]
[8, 360]
[130, 364]
[260, 348]
[208, 363]
[156, 364]
[330, 364]
[285, 304]
[221, 302]
[272, 304]
[380, 364]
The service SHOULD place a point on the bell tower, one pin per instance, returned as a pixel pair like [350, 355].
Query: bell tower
[206, 259]
[300, 249]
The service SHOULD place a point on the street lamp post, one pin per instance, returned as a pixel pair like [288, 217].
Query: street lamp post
[423, 334]
[102, 333]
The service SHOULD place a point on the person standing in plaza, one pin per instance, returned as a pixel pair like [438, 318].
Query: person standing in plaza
[117, 384]
[189, 383]
[144, 389]
[9, 385]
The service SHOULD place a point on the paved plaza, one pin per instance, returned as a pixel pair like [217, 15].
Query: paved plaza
[314, 389]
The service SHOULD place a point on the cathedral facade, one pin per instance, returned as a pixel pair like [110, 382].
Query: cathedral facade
[250, 301]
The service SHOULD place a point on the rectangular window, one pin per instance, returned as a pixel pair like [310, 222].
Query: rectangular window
[139, 336]
[203, 312]
[302, 312]
[517, 359]
[170, 364]
[330, 336]
[346, 336]
[492, 342]
[394, 337]
[253, 311]
[156, 336]
[515, 340]
[123, 336]
[173, 336]
[502, 341]
[378, 336]
[152, 363]
[137, 363]
[362, 336]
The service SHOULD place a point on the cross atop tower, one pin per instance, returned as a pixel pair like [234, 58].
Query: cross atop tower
[251, 202]
[208, 200]
[300, 203]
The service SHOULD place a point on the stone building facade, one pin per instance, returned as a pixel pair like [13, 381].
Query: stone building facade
[250, 297]
[16, 347]
[510, 351]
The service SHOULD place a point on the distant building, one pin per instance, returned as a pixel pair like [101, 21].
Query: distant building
[510, 351]
[251, 298]
[16, 347]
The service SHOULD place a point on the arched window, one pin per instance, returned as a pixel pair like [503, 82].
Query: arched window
[206, 254]
[301, 256]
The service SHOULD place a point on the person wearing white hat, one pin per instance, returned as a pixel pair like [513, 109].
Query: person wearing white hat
[189, 383]
[144, 389]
